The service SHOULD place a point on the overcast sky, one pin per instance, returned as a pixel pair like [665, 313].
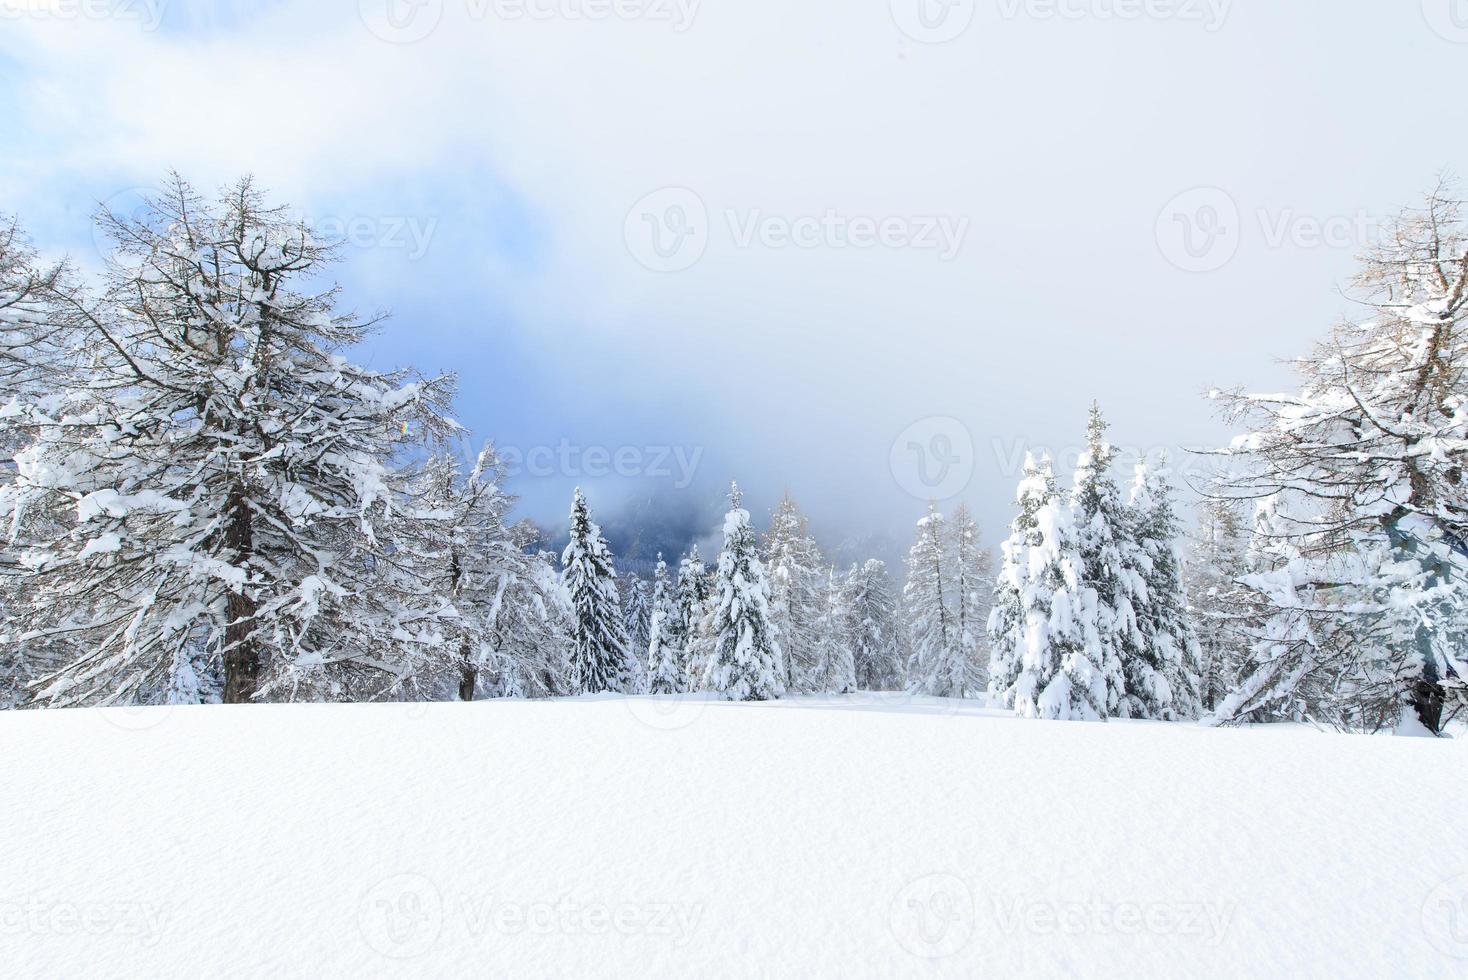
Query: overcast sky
[868, 250]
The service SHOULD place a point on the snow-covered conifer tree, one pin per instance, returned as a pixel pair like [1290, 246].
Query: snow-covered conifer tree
[872, 627]
[1218, 604]
[1169, 645]
[637, 612]
[973, 581]
[665, 673]
[599, 654]
[691, 602]
[1041, 629]
[936, 666]
[797, 591]
[744, 662]
[1110, 564]
[230, 475]
[835, 671]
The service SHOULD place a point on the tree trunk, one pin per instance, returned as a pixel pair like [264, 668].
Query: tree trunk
[468, 674]
[1426, 698]
[241, 655]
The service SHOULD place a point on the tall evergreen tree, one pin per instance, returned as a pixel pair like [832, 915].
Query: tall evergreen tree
[936, 666]
[665, 674]
[637, 612]
[1109, 563]
[872, 627]
[1218, 602]
[599, 654]
[745, 662]
[835, 671]
[1042, 635]
[973, 578]
[691, 609]
[797, 592]
[1169, 646]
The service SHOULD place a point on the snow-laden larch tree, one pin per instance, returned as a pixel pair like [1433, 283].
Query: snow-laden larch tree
[1361, 476]
[231, 479]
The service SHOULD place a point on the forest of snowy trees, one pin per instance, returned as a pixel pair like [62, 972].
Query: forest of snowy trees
[206, 500]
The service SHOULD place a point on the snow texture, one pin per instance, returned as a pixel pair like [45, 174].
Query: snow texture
[508, 838]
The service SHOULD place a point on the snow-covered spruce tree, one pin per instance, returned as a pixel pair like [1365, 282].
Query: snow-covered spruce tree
[599, 654]
[1008, 624]
[1168, 642]
[835, 671]
[1363, 472]
[665, 673]
[797, 591]
[691, 602]
[936, 662]
[637, 613]
[1042, 636]
[973, 582]
[230, 474]
[1110, 563]
[745, 663]
[872, 627]
[1219, 607]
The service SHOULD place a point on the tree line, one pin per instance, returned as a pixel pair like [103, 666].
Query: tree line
[207, 500]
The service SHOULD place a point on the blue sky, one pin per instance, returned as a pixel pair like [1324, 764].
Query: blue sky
[499, 179]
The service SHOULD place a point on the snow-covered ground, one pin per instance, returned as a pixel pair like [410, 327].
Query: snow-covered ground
[869, 835]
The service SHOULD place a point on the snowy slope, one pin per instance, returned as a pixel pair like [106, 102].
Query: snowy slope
[610, 836]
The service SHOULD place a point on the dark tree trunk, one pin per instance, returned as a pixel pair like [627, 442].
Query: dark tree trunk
[468, 674]
[241, 655]
[1426, 699]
